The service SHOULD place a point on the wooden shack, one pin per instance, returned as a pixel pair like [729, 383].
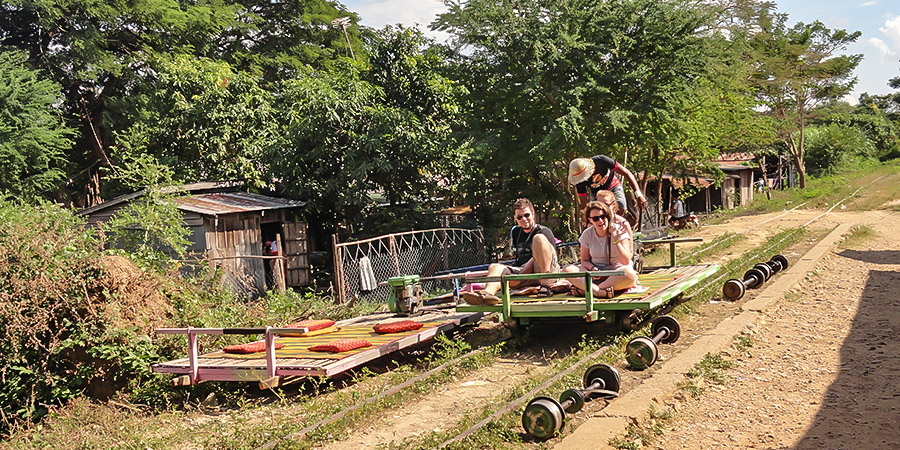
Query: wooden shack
[228, 228]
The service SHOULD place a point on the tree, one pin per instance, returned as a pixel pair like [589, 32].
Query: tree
[798, 68]
[554, 80]
[361, 129]
[100, 53]
[33, 136]
[413, 151]
[201, 119]
[276, 39]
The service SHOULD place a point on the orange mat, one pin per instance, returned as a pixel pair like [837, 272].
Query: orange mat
[298, 347]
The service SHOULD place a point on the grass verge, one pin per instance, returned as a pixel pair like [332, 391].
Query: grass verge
[858, 235]
[711, 370]
[824, 191]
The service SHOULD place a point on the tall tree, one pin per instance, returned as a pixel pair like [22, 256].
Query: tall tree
[554, 80]
[359, 129]
[798, 68]
[33, 136]
[276, 39]
[100, 53]
[201, 119]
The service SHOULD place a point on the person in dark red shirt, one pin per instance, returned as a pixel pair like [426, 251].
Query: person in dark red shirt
[598, 173]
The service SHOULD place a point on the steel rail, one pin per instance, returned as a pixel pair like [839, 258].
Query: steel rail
[397, 388]
[522, 399]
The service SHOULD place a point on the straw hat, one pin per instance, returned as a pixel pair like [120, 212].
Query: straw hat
[580, 170]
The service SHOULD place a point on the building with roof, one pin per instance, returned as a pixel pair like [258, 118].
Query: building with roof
[229, 228]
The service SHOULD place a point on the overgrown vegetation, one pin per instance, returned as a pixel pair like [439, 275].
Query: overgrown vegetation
[76, 319]
[858, 234]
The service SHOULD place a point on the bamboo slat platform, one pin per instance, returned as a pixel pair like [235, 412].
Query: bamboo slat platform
[217, 366]
[661, 290]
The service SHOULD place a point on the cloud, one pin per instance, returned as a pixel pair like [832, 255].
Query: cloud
[891, 28]
[869, 3]
[882, 47]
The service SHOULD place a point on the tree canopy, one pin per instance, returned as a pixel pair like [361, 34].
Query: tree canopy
[33, 136]
[798, 68]
[275, 95]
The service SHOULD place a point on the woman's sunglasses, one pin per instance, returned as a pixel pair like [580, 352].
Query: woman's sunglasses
[597, 218]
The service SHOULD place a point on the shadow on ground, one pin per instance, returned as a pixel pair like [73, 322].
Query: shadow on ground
[874, 256]
[862, 407]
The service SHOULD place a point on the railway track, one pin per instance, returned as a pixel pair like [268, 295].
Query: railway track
[550, 378]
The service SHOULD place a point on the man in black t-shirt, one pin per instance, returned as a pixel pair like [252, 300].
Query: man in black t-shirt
[598, 173]
[535, 248]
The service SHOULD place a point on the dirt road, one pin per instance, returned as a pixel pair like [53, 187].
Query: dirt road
[483, 387]
[824, 368]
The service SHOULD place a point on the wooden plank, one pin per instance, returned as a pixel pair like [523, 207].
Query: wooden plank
[254, 369]
[295, 246]
[298, 262]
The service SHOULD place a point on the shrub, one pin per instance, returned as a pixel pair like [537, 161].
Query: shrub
[830, 147]
[73, 320]
[47, 273]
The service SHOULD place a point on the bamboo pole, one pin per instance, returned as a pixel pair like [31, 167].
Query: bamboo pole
[279, 266]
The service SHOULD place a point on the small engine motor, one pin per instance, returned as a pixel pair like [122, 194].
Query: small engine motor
[406, 295]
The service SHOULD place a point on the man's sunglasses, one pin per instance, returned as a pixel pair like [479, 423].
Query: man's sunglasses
[523, 216]
[597, 218]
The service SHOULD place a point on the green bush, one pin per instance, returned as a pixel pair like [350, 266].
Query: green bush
[48, 302]
[830, 147]
[77, 320]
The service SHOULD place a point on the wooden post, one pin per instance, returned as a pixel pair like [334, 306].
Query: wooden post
[270, 352]
[193, 354]
[394, 257]
[707, 200]
[338, 269]
[445, 250]
[278, 266]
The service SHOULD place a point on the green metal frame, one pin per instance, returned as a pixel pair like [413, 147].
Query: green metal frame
[588, 308]
[671, 242]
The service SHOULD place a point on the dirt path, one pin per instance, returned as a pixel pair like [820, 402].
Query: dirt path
[824, 368]
[446, 407]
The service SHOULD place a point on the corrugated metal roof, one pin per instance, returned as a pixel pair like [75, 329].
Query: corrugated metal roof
[732, 167]
[232, 202]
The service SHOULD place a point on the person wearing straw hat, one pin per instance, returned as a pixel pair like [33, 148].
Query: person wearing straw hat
[598, 173]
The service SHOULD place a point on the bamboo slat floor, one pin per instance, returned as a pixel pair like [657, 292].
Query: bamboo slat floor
[216, 366]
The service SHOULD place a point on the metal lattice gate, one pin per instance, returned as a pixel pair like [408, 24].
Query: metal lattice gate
[361, 265]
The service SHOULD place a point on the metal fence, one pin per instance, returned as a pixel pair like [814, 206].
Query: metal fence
[361, 265]
[651, 219]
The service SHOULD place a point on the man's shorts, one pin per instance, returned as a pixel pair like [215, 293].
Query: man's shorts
[554, 266]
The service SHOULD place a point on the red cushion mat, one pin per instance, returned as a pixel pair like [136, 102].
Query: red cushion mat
[312, 324]
[252, 347]
[397, 327]
[341, 345]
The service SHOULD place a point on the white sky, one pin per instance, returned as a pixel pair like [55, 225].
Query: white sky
[879, 21]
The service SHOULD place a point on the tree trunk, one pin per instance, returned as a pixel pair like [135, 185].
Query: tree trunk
[801, 170]
[762, 169]
[797, 156]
